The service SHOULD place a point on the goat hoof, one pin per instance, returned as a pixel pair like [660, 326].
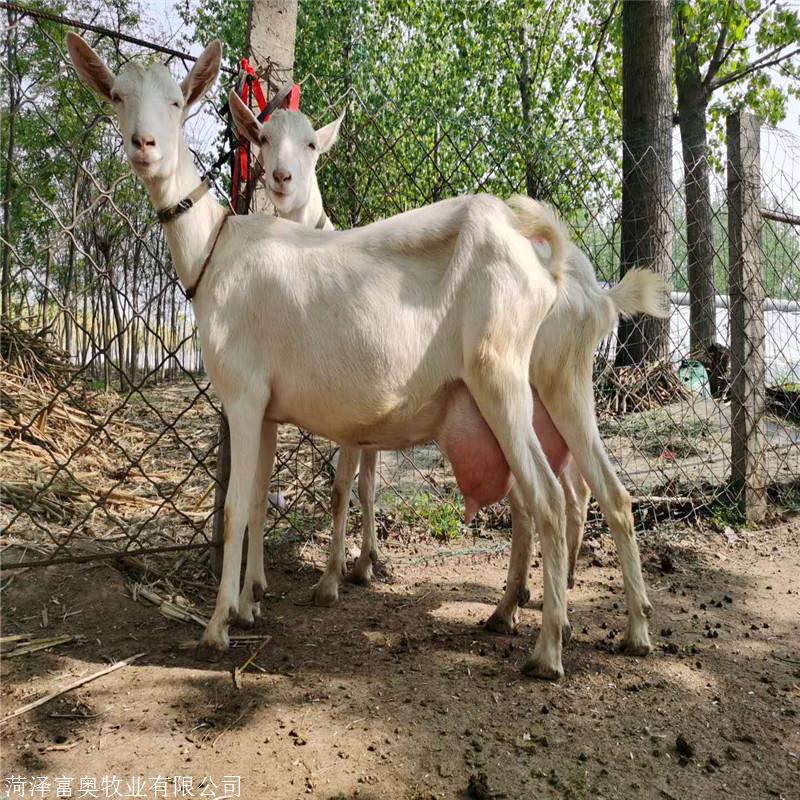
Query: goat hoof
[523, 595]
[360, 577]
[210, 651]
[325, 596]
[636, 648]
[571, 580]
[242, 620]
[497, 623]
[533, 668]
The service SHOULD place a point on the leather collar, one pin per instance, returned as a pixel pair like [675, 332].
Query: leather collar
[173, 212]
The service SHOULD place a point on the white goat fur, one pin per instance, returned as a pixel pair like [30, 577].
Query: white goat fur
[561, 373]
[293, 326]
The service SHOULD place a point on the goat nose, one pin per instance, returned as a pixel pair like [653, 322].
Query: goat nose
[143, 140]
[281, 175]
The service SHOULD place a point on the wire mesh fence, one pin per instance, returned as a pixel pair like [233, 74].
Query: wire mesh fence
[109, 426]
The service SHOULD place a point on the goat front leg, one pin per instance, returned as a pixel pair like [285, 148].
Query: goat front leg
[506, 403]
[244, 418]
[361, 572]
[255, 579]
[326, 592]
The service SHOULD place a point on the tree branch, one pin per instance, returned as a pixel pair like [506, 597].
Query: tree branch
[760, 63]
[593, 68]
[718, 58]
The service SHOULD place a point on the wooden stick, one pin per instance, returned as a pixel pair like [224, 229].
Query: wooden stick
[237, 672]
[38, 644]
[69, 687]
[16, 637]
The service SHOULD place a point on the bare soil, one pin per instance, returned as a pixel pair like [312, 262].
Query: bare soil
[398, 692]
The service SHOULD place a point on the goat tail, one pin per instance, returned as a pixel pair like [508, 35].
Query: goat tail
[536, 220]
[641, 291]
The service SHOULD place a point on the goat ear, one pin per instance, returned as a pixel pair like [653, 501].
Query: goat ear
[92, 69]
[203, 73]
[328, 135]
[244, 119]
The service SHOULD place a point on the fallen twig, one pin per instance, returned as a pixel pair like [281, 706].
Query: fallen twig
[69, 687]
[38, 644]
[237, 671]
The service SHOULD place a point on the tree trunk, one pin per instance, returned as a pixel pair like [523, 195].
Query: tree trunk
[134, 296]
[11, 111]
[45, 284]
[113, 298]
[271, 35]
[692, 103]
[532, 186]
[105, 305]
[646, 161]
[84, 354]
[66, 299]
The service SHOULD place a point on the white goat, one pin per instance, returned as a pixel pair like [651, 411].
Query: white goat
[561, 373]
[289, 150]
[367, 337]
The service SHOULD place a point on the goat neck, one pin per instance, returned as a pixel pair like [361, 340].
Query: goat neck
[189, 236]
[310, 212]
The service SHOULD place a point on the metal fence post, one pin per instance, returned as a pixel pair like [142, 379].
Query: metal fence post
[746, 288]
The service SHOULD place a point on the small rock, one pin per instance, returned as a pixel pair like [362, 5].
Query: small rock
[299, 741]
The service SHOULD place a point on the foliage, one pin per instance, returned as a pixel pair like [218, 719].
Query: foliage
[441, 517]
[86, 255]
[737, 41]
[448, 97]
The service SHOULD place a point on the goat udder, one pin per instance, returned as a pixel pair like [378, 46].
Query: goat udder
[478, 463]
[480, 468]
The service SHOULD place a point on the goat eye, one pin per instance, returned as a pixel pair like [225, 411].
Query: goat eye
[312, 145]
[115, 98]
[176, 104]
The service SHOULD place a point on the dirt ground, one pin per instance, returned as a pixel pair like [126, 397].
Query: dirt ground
[398, 692]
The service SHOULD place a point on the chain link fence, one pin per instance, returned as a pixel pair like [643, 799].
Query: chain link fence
[108, 427]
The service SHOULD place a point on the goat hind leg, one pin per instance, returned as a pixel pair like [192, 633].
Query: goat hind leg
[505, 617]
[326, 592]
[255, 579]
[572, 411]
[244, 417]
[576, 495]
[506, 403]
